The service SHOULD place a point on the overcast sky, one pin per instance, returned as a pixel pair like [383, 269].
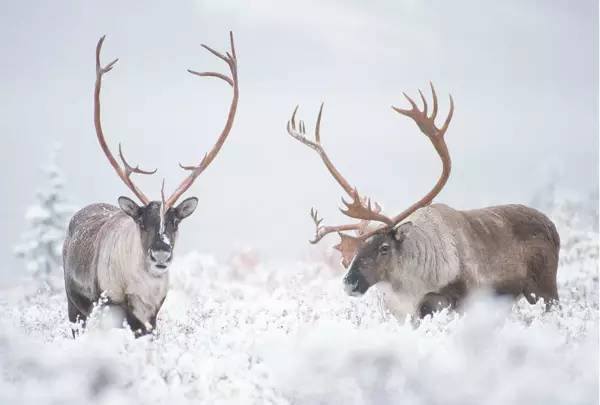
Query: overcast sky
[523, 75]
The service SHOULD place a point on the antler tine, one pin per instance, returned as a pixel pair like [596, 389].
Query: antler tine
[314, 214]
[192, 167]
[299, 134]
[359, 210]
[123, 173]
[231, 59]
[217, 54]
[130, 169]
[424, 103]
[232, 45]
[99, 69]
[444, 127]
[412, 103]
[322, 231]
[318, 125]
[435, 102]
[212, 74]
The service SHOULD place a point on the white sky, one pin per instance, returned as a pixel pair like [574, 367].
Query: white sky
[523, 74]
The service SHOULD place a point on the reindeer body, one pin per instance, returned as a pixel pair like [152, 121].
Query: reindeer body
[125, 252]
[440, 254]
[103, 252]
[431, 252]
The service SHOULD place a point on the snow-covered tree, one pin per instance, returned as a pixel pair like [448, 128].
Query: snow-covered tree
[47, 219]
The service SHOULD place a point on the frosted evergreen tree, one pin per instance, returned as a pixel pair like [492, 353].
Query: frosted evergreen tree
[47, 220]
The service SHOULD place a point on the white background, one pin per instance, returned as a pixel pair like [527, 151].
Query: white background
[523, 75]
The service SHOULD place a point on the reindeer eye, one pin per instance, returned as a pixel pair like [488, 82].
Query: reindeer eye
[384, 249]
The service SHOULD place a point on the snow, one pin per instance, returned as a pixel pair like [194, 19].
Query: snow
[251, 333]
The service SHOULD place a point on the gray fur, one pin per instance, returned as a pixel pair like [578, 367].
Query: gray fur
[124, 253]
[440, 254]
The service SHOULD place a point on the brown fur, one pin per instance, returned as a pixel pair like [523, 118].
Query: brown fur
[441, 254]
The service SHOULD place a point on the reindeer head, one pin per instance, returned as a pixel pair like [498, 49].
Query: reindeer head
[158, 228]
[371, 251]
[158, 221]
[374, 259]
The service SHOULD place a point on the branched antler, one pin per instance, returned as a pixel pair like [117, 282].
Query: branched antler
[361, 207]
[436, 135]
[195, 170]
[361, 210]
[321, 231]
[127, 170]
[123, 172]
[300, 135]
[360, 204]
[427, 123]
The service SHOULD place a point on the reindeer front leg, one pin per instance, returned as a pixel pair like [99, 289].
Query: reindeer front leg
[449, 296]
[140, 316]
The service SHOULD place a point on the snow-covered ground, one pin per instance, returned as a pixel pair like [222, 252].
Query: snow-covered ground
[247, 333]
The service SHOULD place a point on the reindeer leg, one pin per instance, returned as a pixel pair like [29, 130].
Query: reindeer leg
[138, 315]
[78, 308]
[75, 315]
[155, 315]
[449, 296]
[136, 326]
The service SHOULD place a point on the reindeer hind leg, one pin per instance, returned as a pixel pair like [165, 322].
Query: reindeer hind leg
[75, 315]
[541, 280]
[449, 296]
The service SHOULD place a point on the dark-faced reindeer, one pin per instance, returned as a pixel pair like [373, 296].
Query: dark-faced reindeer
[125, 252]
[434, 254]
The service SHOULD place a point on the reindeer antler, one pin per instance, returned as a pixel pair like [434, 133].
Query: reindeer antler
[195, 170]
[360, 210]
[127, 170]
[436, 136]
[321, 231]
[358, 204]
[361, 207]
[300, 135]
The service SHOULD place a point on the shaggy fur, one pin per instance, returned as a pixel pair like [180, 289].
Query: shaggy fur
[440, 254]
[107, 251]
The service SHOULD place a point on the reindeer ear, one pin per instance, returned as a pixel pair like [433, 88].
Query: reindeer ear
[129, 207]
[186, 208]
[401, 231]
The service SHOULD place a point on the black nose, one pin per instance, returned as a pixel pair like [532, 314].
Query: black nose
[160, 256]
[355, 284]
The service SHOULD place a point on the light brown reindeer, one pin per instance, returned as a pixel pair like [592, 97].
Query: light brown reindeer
[439, 254]
[126, 252]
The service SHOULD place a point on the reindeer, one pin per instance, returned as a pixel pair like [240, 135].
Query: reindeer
[125, 252]
[432, 254]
